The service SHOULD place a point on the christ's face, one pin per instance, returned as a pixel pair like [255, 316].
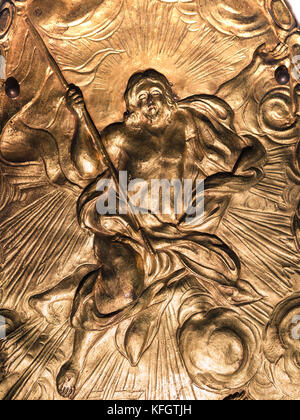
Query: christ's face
[149, 97]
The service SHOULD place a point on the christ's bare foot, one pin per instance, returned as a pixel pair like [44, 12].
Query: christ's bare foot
[67, 379]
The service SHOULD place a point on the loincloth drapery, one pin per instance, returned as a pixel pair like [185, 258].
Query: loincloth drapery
[204, 258]
[189, 257]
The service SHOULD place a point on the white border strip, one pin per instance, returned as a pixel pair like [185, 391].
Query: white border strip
[295, 5]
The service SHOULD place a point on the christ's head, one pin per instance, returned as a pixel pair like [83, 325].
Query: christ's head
[150, 101]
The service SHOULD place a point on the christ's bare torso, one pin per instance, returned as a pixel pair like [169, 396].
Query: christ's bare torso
[159, 154]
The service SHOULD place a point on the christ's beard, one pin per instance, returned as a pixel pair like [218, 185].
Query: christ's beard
[139, 121]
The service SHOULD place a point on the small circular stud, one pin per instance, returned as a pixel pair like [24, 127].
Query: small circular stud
[282, 75]
[12, 88]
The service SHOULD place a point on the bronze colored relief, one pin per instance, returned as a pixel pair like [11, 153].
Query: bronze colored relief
[150, 199]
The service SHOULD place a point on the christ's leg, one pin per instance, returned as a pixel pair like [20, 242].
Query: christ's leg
[104, 291]
[55, 304]
[69, 373]
[120, 281]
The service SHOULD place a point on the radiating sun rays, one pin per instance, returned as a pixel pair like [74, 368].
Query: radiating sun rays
[148, 34]
[153, 35]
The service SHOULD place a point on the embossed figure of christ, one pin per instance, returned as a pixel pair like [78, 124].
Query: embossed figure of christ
[161, 137]
[88, 311]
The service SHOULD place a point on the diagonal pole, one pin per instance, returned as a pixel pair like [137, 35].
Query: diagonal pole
[98, 142]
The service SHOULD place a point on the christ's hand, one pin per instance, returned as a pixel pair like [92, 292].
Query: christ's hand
[75, 100]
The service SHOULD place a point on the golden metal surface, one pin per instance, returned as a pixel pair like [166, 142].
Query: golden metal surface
[149, 305]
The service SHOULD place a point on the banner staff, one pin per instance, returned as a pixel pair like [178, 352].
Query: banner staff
[98, 142]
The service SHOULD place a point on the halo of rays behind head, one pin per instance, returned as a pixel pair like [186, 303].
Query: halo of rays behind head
[153, 35]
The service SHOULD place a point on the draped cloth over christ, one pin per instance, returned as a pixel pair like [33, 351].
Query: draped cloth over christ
[189, 253]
